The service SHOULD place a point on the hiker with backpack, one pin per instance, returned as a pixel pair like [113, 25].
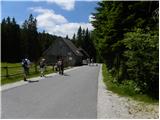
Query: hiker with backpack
[25, 65]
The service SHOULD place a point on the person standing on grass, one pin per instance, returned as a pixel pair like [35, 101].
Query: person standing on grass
[25, 65]
[42, 66]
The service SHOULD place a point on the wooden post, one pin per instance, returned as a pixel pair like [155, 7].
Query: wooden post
[7, 75]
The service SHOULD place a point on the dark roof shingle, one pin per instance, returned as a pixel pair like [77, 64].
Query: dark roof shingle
[72, 47]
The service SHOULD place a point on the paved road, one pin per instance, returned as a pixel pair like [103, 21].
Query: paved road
[73, 95]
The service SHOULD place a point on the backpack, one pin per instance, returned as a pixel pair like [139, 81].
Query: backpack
[25, 63]
[42, 64]
[59, 63]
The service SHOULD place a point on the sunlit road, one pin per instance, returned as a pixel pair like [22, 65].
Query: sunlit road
[73, 95]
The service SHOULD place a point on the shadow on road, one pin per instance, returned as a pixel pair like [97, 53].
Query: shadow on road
[30, 81]
[64, 74]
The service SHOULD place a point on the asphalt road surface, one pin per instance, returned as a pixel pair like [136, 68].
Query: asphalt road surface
[73, 95]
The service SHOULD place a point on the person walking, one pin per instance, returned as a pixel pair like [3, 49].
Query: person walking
[88, 61]
[92, 63]
[55, 67]
[42, 66]
[60, 66]
[25, 65]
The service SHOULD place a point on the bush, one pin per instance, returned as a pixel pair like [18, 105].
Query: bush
[126, 88]
[142, 60]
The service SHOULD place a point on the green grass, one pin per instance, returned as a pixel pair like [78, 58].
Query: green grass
[4, 64]
[16, 68]
[12, 79]
[125, 89]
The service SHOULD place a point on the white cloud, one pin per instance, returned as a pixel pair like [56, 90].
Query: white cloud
[57, 24]
[47, 16]
[64, 4]
[68, 29]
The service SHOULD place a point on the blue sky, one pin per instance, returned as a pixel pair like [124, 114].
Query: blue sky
[58, 17]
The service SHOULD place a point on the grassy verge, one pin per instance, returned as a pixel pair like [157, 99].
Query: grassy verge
[18, 69]
[20, 77]
[12, 79]
[125, 89]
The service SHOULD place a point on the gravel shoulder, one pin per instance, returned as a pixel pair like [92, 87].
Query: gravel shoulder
[113, 106]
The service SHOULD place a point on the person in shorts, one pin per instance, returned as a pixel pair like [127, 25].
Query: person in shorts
[42, 66]
[25, 65]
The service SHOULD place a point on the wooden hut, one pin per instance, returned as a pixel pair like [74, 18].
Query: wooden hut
[65, 49]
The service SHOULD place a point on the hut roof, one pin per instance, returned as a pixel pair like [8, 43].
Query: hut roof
[68, 43]
[83, 51]
[72, 47]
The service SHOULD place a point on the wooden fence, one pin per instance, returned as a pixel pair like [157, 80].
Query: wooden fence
[18, 70]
